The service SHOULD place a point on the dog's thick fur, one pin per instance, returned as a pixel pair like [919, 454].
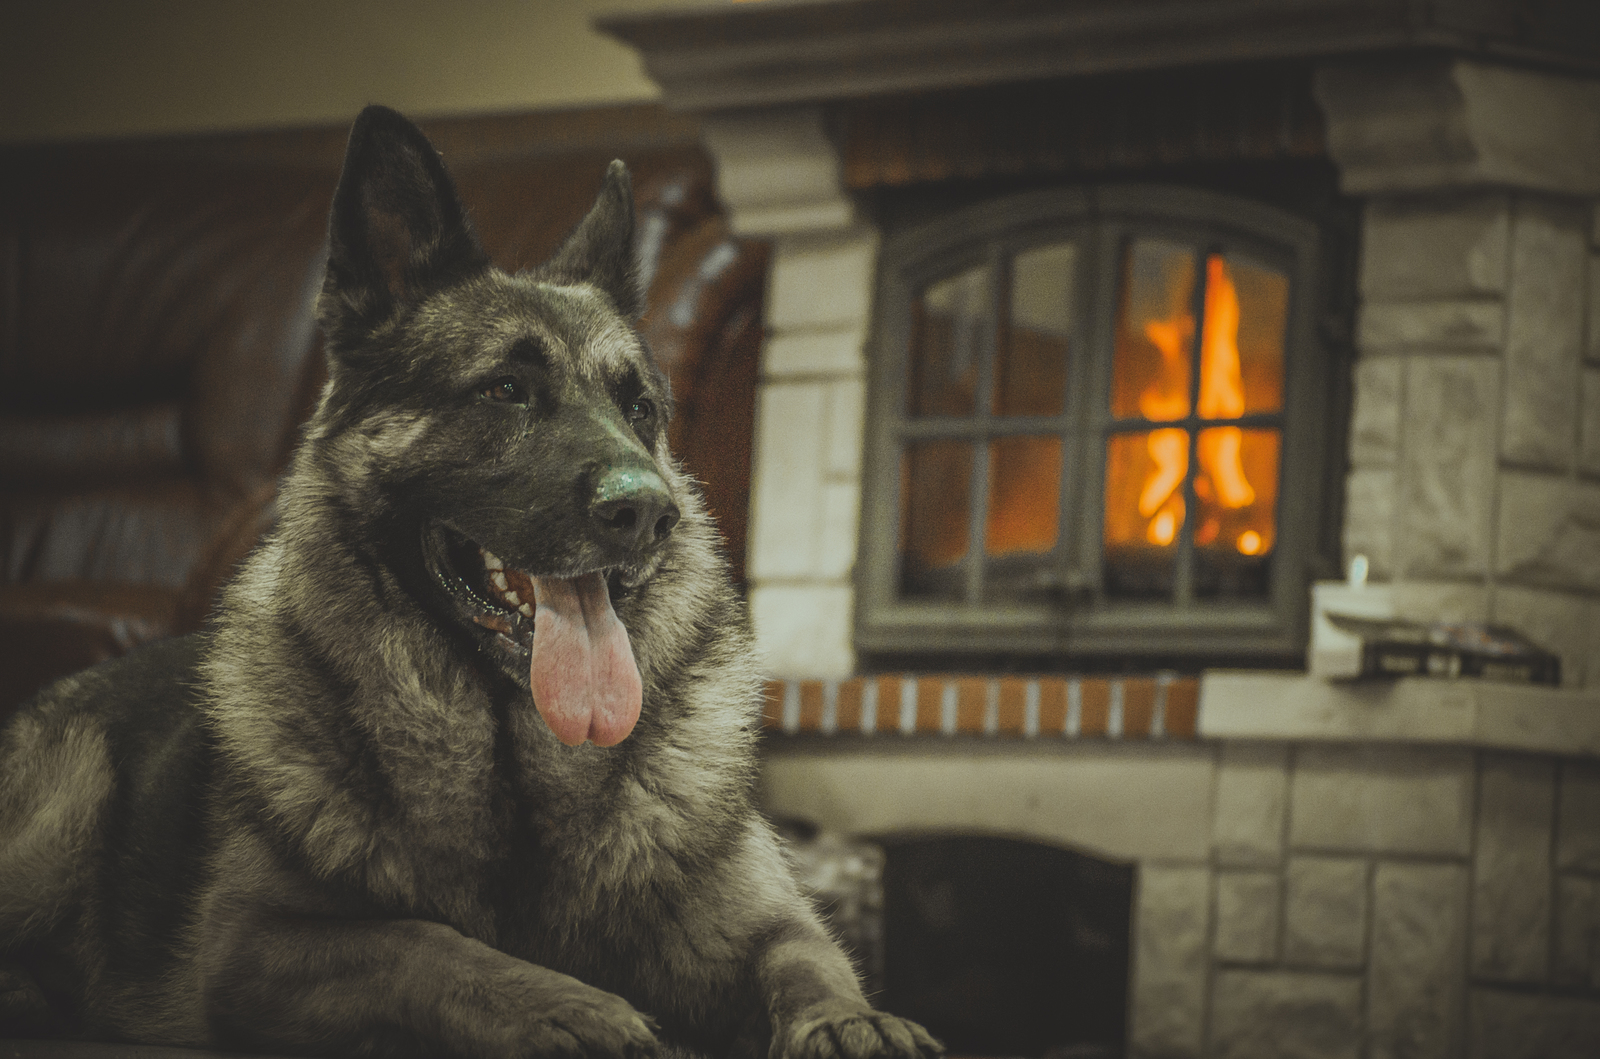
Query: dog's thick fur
[336, 822]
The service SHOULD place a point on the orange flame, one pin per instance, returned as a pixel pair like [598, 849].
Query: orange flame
[1221, 397]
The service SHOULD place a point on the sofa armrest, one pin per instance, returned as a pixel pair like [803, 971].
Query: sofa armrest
[246, 523]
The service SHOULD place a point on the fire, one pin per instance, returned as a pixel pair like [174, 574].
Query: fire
[1222, 476]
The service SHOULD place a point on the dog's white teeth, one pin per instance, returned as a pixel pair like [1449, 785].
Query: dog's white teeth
[491, 561]
[498, 578]
[512, 598]
[527, 610]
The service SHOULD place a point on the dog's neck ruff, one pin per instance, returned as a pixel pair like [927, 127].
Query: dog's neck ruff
[584, 678]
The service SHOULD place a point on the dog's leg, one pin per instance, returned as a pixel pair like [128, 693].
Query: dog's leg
[816, 1007]
[812, 999]
[405, 987]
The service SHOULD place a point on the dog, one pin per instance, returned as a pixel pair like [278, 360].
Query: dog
[463, 763]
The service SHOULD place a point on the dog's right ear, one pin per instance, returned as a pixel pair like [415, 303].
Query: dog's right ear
[398, 230]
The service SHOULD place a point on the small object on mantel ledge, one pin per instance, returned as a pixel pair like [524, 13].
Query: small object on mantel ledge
[1397, 648]
[1355, 635]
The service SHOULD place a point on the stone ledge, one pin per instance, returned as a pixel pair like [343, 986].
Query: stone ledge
[1293, 706]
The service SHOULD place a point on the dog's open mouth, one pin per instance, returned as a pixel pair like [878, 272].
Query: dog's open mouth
[581, 669]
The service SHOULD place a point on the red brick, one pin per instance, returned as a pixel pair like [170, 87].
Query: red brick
[810, 706]
[1013, 704]
[1183, 707]
[972, 700]
[1096, 707]
[889, 704]
[848, 710]
[1052, 705]
[1138, 706]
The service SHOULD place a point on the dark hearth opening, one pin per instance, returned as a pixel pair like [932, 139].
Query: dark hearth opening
[1004, 947]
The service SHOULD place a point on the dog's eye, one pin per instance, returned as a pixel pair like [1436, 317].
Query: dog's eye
[640, 409]
[505, 391]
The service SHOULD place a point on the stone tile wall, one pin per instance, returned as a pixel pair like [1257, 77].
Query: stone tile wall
[778, 175]
[1374, 902]
[1474, 480]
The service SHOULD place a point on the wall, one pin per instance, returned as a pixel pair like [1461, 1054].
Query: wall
[81, 68]
[1317, 900]
[1475, 441]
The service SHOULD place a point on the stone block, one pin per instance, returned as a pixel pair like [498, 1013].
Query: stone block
[1247, 916]
[1452, 326]
[1421, 124]
[1511, 869]
[1168, 998]
[1591, 338]
[1285, 1015]
[1416, 976]
[1549, 531]
[1445, 247]
[1544, 334]
[821, 282]
[1448, 467]
[1508, 1025]
[1578, 817]
[1325, 913]
[1369, 519]
[1130, 802]
[804, 353]
[1375, 420]
[846, 413]
[790, 454]
[1427, 601]
[1577, 931]
[1252, 793]
[1589, 415]
[1555, 621]
[1382, 799]
[836, 537]
[803, 630]
[777, 170]
[1591, 669]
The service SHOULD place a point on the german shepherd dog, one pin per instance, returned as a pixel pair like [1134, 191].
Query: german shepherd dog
[463, 764]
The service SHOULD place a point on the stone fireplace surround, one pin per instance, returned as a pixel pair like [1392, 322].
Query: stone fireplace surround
[1323, 870]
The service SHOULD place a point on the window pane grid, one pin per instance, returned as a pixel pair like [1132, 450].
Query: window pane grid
[1006, 593]
[988, 373]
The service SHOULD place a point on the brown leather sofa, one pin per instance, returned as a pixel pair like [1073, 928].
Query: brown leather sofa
[158, 348]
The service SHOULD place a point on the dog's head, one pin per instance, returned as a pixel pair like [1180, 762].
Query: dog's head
[506, 434]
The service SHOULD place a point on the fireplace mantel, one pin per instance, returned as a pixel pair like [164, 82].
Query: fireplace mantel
[798, 52]
[1472, 713]
[1322, 869]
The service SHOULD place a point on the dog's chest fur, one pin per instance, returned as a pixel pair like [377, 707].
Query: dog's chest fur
[468, 810]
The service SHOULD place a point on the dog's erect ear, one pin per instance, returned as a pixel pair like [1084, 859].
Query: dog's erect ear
[398, 230]
[600, 249]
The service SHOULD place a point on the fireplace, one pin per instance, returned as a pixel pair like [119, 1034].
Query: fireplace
[1095, 334]
[998, 945]
[1083, 405]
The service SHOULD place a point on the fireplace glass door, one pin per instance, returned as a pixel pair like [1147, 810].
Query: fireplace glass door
[1082, 426]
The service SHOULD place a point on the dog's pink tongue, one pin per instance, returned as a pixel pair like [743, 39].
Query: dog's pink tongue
[585, 682]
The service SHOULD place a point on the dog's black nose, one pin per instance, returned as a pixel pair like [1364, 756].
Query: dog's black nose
[634, 507]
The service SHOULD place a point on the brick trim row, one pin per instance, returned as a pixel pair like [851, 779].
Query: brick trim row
[1163, 706]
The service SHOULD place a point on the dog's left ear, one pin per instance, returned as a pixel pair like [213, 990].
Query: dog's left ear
[600, 249]
[398, 230]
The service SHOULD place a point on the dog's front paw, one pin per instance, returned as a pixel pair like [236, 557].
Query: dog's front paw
[590, 1023]
[849, 1031]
